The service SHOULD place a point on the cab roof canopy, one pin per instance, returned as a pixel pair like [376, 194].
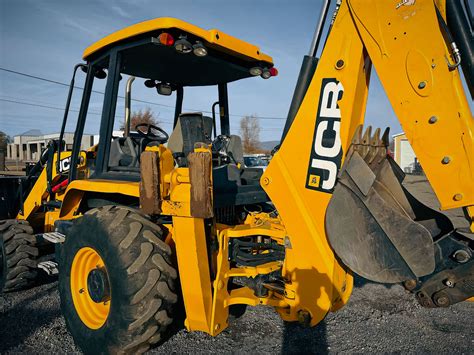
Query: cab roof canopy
[142, 54]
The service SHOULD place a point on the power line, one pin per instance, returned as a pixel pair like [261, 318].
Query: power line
[39, 102]
[52, 107]
[76, 87]
[161, 119]
[36, 77]
[43, 106]
[122, 97]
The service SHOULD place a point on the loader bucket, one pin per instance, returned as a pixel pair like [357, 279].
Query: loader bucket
[375, 226]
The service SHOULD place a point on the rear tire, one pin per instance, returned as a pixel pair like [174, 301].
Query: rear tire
[140, 276]
[3, 265]
[18, 255]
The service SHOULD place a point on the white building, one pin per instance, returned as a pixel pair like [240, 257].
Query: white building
[29, 145]
[404, 154]
[115, 133]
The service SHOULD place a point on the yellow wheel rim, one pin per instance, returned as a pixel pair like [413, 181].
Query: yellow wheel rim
[92, 314]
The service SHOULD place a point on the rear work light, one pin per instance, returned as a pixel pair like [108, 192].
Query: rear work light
[182, 45]
[199, 49]
[268, 73]
[166, 39]
[264, 73]
[255, 71]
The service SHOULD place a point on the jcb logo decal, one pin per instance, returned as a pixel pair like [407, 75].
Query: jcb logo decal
[64, 164]
[326, 152]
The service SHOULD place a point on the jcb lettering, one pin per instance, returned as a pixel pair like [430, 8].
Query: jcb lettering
[329, 152]
[326, 152]
[329, 107]
[64, 165]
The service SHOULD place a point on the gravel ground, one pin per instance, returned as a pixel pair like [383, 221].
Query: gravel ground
[378, 318]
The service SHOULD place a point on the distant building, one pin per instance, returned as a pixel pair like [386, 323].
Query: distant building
[29, 145]
[115, 134]
[404, 155]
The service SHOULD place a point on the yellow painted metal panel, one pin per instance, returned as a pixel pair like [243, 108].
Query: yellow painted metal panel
[39, 193]
[214, 37]
[76, 188]
[106, 186]
[319, 281]
[410, 55]
[191, 250]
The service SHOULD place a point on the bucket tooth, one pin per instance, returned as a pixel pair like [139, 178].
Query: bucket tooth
[357, 137]
[367, 135]
[381, 147]
[383, 144]
[375, 140]
[374, 147]
[386, 137]
[364, 146]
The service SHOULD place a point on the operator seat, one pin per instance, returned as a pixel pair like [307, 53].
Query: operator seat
[194, 127]
[235, 148]
[233, 186]
[124, 153]
[191, 128]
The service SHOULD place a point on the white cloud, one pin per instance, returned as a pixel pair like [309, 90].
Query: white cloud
[120, 11]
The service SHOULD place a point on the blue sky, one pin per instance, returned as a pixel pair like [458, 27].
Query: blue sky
[46, 38]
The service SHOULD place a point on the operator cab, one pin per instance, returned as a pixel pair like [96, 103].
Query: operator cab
[168, 56]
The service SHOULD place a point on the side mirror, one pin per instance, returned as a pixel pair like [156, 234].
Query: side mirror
[164, 89]
[100, 74]
[150, 83]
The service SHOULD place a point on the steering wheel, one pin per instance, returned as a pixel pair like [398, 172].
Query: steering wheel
[159, 135]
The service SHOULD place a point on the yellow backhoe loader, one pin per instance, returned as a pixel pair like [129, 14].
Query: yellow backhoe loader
[141, 221]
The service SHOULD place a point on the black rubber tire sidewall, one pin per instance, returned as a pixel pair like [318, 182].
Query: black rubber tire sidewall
[23, 249]
[89, 340]
[136, 320]
[3, 264]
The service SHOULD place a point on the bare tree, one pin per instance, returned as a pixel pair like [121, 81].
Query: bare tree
[138, 117]
[250, 134]
[4, 140]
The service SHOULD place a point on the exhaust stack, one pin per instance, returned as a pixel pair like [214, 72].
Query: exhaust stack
[128, 98]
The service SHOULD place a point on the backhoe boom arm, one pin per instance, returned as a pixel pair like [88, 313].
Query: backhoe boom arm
[327, 175]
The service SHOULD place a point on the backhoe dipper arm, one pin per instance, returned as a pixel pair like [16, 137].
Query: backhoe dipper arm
[406, 46]
[410, 55]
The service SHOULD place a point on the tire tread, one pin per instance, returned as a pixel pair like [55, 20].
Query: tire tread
[21, 252]
[147, 301]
